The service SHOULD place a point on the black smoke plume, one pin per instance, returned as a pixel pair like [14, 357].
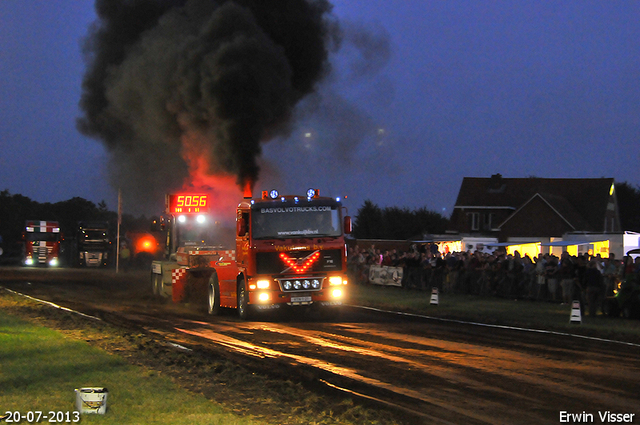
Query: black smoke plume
[173, 84]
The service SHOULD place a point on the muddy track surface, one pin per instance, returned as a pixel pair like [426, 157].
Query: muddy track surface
[431, 372]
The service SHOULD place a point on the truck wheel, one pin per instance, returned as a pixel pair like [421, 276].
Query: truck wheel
[214, 296]
[243, 301]
[154, 284]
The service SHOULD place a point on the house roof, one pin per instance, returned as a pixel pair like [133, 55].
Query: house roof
[580, 202]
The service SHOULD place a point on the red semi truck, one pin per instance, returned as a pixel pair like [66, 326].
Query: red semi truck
[42, 243]
[290, 253]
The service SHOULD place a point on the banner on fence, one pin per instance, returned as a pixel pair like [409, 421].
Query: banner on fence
[385, 275]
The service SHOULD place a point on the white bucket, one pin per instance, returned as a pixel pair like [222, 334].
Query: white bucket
[92, 400]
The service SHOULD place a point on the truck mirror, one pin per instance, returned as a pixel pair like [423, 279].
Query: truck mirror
[242, 226]
[347, 225]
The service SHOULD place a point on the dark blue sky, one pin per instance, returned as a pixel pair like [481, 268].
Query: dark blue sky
[423, 93]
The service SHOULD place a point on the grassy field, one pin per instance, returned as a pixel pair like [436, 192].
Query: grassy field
[47, 353]
[498, 311]
[41, 368]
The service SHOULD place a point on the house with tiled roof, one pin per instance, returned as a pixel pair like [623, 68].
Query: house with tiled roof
[535, 209]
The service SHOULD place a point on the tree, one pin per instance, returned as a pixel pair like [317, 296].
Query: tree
[396, 223]
[629, 206]
[368, 221]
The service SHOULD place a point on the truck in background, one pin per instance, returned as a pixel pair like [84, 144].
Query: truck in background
[93, 244]
[42, 241]
[290, 252]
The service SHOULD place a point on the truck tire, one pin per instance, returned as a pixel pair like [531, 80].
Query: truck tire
[154, 284]
[243, 301]
[213, 303]
[157, 284]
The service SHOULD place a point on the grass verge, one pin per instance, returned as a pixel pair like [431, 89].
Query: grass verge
[41, 368]
[498, 311]
[46, 353]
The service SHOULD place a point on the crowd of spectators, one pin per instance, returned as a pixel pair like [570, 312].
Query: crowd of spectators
[546, 277]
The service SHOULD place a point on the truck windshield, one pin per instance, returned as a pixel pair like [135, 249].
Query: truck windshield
[95, 235]
[42, 236]
[296, 221]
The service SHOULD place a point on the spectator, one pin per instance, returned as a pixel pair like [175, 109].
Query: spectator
[551, 273]
[566, 274]
[595, 287]
[386, 259]
[629, 267]
[528, 277]
[610, 274]
[541, 281]
[125, 257]
[579, 290]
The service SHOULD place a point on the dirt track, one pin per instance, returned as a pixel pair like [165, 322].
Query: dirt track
[434, 372]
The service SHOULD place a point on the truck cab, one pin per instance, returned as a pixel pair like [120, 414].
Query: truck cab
[42, 243]
[290, 251]
[93, 244]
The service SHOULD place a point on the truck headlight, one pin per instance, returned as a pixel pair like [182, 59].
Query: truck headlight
[263, 296]
[335, 280]
[337, 293]
[53, 262]
[263, 284]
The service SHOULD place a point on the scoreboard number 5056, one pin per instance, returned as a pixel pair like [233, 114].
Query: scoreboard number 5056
[192, 201]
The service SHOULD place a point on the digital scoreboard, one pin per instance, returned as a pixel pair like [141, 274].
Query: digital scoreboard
[188, 203]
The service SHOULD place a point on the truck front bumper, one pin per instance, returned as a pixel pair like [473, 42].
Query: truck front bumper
[264, 299]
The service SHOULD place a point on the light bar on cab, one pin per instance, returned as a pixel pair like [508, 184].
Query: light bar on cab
[274, 194]
[271, 194]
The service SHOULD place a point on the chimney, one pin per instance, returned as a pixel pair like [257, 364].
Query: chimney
[496, 185]
[247, 189]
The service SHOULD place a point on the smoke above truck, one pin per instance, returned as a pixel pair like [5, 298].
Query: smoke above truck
[175, 86]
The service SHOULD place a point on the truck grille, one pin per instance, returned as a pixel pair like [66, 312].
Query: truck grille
[271, 263]
[43, 251]
[93, 258]
[301, 284]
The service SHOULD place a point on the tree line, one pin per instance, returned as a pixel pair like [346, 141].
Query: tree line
[373, 222]
[370, 222]
[629, 206]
